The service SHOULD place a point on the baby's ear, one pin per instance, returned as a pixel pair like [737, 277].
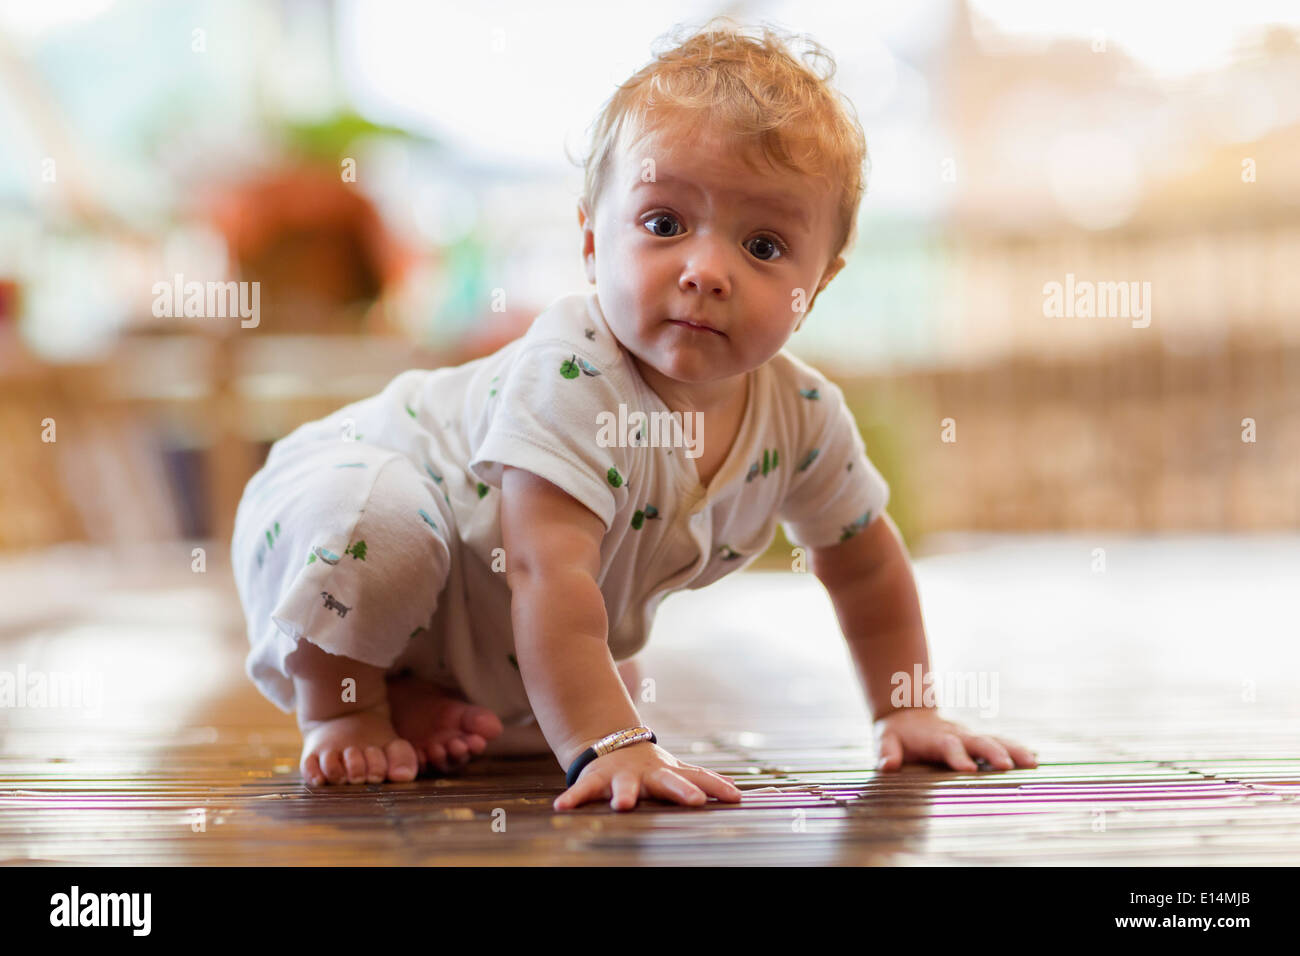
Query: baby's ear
[831, 271]
[588, 240]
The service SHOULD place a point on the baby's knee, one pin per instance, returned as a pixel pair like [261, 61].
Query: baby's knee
[371, 558]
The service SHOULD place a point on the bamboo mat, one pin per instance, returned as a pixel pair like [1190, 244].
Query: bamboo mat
[187, 764]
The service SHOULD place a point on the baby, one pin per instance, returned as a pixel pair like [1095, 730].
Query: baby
[467, 562]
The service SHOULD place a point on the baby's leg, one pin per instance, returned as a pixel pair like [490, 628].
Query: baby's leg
[354, 562]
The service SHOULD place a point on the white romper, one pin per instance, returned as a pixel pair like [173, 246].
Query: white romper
[375, 532]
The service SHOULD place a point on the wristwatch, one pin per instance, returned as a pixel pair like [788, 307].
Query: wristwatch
[607, 744]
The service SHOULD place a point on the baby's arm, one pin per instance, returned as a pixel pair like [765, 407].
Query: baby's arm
[871, 585]
[552, 544]
[552, 551]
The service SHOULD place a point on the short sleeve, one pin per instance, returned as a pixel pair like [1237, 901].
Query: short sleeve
[545, 418]
[835, 491]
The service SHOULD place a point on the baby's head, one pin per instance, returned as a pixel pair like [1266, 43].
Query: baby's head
[722, 186]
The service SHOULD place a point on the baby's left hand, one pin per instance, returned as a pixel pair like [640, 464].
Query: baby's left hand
[921, 734]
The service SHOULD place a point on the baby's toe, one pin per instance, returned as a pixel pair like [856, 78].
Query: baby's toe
[403, 761]
[355, 759]
[456, 750]
[403, 764]
[332, 765]
[437, 756]
[452, 750]
[376, 765]
[311, 772]
[481, 721]
[457, 753]
[475, 743]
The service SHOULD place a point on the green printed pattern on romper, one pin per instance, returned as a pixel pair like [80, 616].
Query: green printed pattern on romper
[641, 516]
[358, 551]
[270, 543]
[771, 458]
[438, 480]
[573, 366]
[851, 529]
[809, 459]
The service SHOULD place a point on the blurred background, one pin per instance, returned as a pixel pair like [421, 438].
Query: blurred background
[381, 168]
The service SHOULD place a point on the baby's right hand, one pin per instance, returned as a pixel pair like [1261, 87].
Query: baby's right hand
[645, 770]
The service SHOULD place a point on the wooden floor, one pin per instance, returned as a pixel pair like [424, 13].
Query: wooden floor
[1160, 696]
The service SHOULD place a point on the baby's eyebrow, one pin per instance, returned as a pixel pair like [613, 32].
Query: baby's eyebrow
[789, 207]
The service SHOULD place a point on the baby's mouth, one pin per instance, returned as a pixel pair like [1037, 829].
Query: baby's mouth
[699, 327]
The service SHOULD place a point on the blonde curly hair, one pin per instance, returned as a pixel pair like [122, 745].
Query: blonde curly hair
[755, 90]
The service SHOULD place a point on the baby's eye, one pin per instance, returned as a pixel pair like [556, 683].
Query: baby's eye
[774, 243]
[652, 219]
[776, 250]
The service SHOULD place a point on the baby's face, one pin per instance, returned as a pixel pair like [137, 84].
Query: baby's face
[711, 241]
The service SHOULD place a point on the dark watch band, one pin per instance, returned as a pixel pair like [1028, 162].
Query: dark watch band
[604, 745]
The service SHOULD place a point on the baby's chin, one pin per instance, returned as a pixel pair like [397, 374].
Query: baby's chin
[698, 371]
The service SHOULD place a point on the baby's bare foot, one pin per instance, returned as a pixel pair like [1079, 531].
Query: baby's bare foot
[445, 730]
[360, 747]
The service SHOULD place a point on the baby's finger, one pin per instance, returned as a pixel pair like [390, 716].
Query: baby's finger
[1023, 756]
[590, 786]
[955, 753]
[674, 788]
[713, 784]
[626, 787]
[991, 750]
[891, 752]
